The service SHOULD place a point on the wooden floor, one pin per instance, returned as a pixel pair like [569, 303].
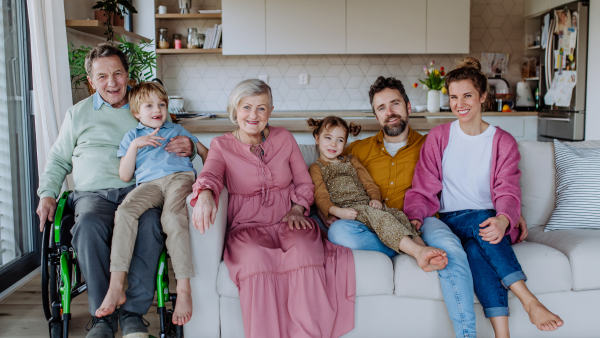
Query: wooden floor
[22, 315]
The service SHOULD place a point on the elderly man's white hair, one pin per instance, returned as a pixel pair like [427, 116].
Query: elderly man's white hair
[247, 88]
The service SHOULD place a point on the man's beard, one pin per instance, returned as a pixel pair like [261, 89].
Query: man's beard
[397, 128]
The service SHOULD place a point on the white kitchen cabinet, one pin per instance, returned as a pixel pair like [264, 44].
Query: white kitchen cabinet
[305, 27]
[386, 26]
[244, 27]
[533, 7]
[448, 24]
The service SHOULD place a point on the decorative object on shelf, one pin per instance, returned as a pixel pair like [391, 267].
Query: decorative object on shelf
[192, 38]
[434, 84]
[163, 38]
[162, 9]
[142, 63]
[177, 41]
[184, 6]
[201, 38]
[114, 9]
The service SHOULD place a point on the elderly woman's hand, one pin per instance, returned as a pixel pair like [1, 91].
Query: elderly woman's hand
[205, 211]
[523, 226]
[295, 218]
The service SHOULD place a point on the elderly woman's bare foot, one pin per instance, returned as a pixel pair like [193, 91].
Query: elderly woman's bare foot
[114, 297]
[430, 259]
[541, 317]
[183, 307]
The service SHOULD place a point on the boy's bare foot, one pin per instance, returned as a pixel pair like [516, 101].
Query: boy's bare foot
[114, 296]
[430, 259]
[183, 306]
[541, 317]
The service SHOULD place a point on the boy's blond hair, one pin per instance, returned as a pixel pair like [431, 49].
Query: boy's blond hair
[140, 93]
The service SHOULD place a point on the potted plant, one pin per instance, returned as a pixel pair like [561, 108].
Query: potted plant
[434, 84]
[142, 63]
[112, 9]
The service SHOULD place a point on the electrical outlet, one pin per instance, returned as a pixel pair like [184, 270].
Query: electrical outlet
[264, 78]
[303, 79]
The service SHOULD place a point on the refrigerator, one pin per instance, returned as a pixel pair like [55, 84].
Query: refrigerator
[563, 69]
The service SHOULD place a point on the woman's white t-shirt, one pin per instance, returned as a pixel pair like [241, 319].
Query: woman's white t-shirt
[466, 169]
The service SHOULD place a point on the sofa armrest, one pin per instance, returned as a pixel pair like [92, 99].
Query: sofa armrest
[207, 253]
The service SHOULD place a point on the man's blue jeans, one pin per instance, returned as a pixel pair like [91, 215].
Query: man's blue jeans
[456, 279]
[494, 266]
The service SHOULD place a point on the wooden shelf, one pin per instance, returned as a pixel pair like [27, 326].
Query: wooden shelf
[534, 47]
[96, 27]
[532, 79]
[191, 16]
[189, 51]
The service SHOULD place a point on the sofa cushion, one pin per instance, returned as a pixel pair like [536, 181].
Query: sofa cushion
[537, 181]
[309, 152]
[547, 270]
[374, 275]
[582, 248]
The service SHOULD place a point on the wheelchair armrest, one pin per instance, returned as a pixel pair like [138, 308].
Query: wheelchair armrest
[207, 253]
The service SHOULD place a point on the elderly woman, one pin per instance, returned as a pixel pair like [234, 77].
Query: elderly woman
[292, 282]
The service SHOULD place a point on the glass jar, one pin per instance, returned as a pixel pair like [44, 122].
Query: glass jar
[163, 39]
[201, 38]
[192, 38]
[177, 41]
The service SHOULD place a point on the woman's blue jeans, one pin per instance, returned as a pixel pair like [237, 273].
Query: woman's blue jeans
[494, 266]
[455, 279]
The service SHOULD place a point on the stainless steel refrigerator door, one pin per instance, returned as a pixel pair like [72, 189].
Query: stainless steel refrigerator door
[566, 126]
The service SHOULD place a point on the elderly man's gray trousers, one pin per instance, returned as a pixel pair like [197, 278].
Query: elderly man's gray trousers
[92, 237]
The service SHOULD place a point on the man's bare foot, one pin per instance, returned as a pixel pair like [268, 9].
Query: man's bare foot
[430, 259]
[114, 296]
[183, 306]
[541, 317]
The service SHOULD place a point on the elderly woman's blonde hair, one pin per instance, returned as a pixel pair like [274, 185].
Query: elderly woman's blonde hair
[246, 88]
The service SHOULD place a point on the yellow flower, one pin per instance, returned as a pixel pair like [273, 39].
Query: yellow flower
[444, 91]
[437, 72]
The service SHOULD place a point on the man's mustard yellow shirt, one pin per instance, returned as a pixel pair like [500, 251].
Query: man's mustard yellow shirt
[393, 175]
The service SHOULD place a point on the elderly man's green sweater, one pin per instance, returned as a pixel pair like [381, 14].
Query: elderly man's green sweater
[87, 146]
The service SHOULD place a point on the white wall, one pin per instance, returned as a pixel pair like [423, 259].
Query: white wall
[592, 118]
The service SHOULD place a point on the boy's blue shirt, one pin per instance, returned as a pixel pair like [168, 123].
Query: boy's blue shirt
[155, 162]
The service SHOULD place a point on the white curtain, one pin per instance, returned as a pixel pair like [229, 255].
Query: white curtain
[51, 79]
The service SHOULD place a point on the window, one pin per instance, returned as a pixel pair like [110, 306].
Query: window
[18, 174]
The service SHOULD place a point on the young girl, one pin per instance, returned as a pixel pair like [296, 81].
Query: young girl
[468, 172]
[344, 188]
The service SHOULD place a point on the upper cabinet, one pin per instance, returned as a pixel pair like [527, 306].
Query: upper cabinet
[448, 24]
[386, 26]
[533, 7]
[306, 26]
[244, 27]
[345, 26]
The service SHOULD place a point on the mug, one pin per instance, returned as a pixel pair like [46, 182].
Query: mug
[162, 9]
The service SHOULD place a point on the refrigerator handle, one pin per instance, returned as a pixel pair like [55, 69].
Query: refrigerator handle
[556, 119]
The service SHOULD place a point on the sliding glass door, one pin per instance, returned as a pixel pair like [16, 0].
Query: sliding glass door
[19, 241]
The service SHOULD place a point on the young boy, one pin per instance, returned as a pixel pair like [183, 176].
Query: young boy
[164, 181]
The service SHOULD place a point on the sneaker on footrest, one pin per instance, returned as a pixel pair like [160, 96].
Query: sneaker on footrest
[133, 325]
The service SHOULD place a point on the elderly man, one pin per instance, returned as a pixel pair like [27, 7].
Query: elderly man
[87, 147]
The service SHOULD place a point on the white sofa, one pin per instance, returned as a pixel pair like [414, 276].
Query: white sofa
[395, 298]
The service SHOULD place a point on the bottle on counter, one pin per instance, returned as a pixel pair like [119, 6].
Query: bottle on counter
[177, 41]
[537, 99]
[163, 39]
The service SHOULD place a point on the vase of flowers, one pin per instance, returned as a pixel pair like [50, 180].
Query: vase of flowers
[434, 84]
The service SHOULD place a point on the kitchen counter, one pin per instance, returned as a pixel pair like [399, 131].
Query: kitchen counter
[296, 121]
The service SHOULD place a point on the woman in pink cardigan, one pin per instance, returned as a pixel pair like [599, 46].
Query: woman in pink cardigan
[468, 172]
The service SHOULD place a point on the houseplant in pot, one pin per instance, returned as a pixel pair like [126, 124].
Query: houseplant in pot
[434, 84]
[113, 9]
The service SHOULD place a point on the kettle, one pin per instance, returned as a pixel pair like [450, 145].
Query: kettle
[525, 99]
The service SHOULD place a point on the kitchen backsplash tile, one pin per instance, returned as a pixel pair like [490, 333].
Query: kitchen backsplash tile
[336, 82]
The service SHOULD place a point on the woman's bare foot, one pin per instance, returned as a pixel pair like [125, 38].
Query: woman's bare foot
[183, 306]
[115, 296]
[541, 317]
[430, 259]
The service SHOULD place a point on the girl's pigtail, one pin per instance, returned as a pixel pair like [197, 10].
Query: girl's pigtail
[354, 129]
[314, 126]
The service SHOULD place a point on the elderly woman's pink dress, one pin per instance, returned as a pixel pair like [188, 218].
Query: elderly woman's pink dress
[293, 283]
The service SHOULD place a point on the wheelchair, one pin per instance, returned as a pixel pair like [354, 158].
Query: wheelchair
[62, 280]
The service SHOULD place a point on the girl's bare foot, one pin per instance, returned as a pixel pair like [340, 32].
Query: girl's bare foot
[115, 296]
[541, 317]
[430, 259]
[183, 306]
